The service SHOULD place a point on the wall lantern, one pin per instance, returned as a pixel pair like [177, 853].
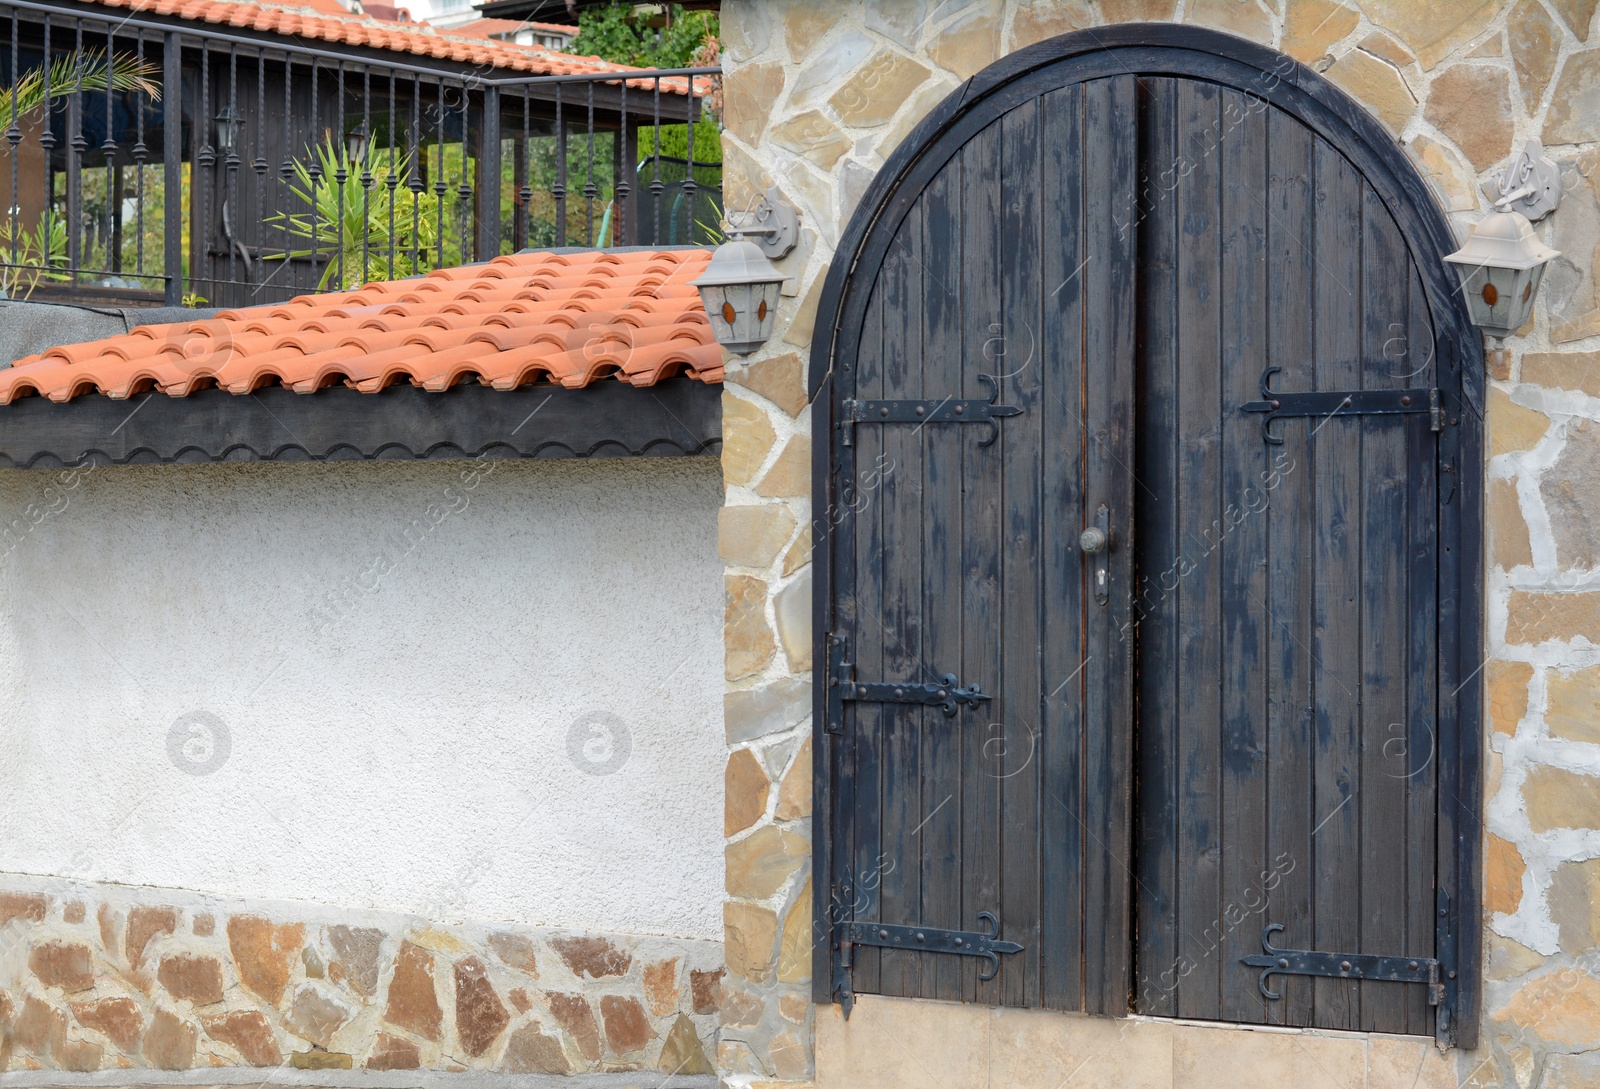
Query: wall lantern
[229, 126]
[355, 143]
[739, 288]
[1503, 260]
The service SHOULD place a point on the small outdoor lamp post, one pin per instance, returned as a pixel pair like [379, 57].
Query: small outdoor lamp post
[739, 288]
[355, 142]
[1500, 269]
[229, 126]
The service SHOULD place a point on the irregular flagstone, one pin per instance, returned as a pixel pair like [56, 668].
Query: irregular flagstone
[1571, 491]
[248, 1032]
[263, 953]
[1535, 41]
[530, 1051]
[1311, 26]
[480, 1015]
[1376, 83]
[1574, 114]
[413, 1004]
[356, 951]
[1471, 104]
[1433, 29]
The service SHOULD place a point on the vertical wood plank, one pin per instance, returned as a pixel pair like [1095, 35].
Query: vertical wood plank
[1244, 552]
[939, 842]
[1385, 627]
[864, 728]
[1198, 438]
[1286, 893]
[1386, 635]
[1419, 367]
[982, 530]
[1110, 211]
[1338, 633]
[1014, 721]
[1061, 411]
[900, 493]
[1155, 509]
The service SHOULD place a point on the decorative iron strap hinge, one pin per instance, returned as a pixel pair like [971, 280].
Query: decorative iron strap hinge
[1303, 962]
[947, 695]
[1361, 402]
[921, 939]
[948, 410]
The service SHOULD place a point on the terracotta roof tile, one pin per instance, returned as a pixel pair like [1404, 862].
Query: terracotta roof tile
[314, 20]
[571, 319]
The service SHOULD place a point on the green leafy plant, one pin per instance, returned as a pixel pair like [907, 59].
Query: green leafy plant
[363, 234]
[193, 299]
[85, 71]
[30, 255]
[615, 33]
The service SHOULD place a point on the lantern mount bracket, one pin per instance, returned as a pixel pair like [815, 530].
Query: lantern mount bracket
[1530, 185]
[773, 224]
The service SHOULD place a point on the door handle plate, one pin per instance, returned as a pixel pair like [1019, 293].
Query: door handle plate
[1096, 542]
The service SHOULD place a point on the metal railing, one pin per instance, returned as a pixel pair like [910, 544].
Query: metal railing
[152, 161]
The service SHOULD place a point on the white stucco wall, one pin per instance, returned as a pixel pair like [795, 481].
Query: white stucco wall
[401, 711]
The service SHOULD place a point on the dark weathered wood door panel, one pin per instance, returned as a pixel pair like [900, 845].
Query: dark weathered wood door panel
[1287, 598]
[963, 558]
[1263, 716]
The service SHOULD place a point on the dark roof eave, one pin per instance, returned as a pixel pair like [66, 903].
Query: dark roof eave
[676, 417]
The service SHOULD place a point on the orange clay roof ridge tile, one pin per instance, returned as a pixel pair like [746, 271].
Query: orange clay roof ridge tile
[572, 319]
[417, 38]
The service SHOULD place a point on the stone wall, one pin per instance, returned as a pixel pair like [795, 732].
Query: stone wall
[817, 95]
[110, 978]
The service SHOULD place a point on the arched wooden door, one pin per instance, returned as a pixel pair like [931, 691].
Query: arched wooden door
[1148, 532]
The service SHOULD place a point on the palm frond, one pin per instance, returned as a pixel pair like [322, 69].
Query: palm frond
[85, 71]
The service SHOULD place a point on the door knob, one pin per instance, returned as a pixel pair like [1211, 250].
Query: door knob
[1093, 540]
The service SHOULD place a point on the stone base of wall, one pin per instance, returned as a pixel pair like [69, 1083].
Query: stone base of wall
[111, 985]
[896, 1043]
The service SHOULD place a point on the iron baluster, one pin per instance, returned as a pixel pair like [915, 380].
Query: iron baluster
[340, 176]
[414, 183]
[366, 173]
[524, 189]
[259, 164]
[439, 186]
[230, 171]
[392, 181]
[113, 172]
[620, 189]
[463, 189]
[140, 154]
[589, 190]
[14, 137]
[489, 211]
[689, 185]
[171, 169]
[655, 161]
[559, 190]
[77, 143]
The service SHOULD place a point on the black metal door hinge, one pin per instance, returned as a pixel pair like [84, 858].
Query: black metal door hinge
[922, 939]
[1361, 402]
[946, 410]
[1304, 962]
[947, 695]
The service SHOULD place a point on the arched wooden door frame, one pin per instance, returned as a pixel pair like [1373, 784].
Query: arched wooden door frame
[1152, 49]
